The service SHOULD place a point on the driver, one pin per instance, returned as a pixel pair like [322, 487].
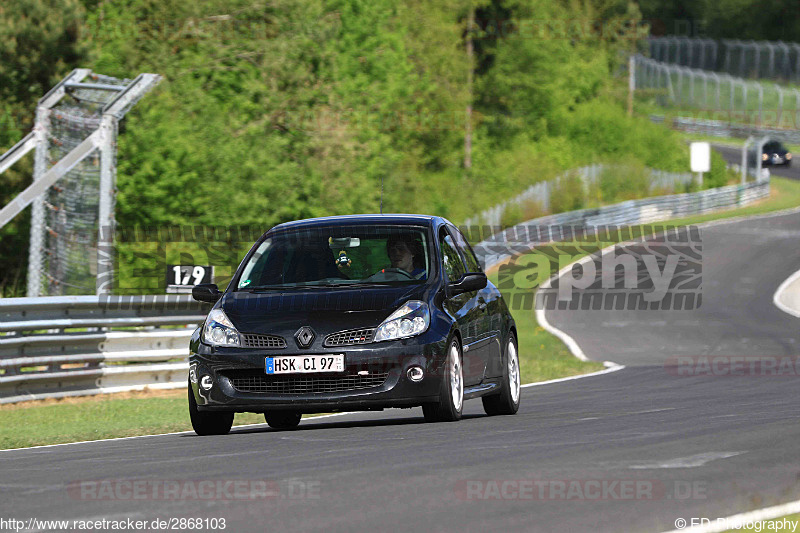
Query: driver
[405, 254]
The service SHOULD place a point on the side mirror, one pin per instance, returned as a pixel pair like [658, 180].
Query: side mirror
[468, 283]
[206, 292]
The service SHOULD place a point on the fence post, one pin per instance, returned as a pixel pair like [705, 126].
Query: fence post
[757, 53]
[631, 83]
[728, 49]
[744, 159]
[36, 245]
[743, 61]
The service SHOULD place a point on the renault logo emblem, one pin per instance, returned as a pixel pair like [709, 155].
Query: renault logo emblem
[304, 336]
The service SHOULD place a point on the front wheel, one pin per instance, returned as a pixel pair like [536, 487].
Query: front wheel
[507, 402]
[451, 398]
[282, 419]
[208, 422]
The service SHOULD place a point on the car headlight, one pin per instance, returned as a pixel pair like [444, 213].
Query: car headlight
[219, 331]
[764, 156]
[412, 318]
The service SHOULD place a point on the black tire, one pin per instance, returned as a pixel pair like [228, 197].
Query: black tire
[283, 419]
[209, 422]
[505, 403]
[446, 410]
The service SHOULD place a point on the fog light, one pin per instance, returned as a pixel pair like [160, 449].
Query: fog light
[206, 382]
[415, 373]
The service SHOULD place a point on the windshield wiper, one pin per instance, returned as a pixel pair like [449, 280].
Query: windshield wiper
[356, 284]
[258, 288]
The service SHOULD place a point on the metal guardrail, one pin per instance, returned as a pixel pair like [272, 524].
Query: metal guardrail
[67, 346]
[721, 128]
[503, 245]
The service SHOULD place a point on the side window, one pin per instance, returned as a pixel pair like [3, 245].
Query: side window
[473, 265]
[451, 261]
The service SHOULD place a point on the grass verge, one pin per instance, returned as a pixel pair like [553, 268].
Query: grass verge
[542, 357]
[98, 417]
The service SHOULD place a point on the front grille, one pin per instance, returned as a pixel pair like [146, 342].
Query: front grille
[252, 340]
[347, 338]
[258, 382]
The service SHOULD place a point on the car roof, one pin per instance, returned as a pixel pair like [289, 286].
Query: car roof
[400, 219]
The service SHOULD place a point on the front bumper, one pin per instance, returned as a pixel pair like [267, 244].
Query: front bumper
[230, 368]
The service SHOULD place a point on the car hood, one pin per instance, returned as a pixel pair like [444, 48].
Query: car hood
[324, 310]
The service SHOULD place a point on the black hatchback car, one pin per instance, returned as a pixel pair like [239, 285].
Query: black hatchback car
[350, 313]
[773, 154]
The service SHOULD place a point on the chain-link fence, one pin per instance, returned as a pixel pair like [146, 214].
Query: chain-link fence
[72, 204]
[74, 174]
[737, 99]
[775, 60]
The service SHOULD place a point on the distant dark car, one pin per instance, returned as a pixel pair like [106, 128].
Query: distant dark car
[353, 313]
[773, 154]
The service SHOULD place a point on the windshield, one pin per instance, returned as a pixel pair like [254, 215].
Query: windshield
[339, 256]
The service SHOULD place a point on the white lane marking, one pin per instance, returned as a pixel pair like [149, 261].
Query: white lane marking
[571, 343]
[612, 367]
[776, 298]
[692, 461]
[738, 521]
[153, 435]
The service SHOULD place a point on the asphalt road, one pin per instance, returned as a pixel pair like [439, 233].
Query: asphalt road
[734, 155]
[702, 446]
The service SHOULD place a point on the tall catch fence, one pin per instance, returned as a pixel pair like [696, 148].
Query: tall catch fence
[718, 96]
[775, 60]
[71, 214]
[74, 180]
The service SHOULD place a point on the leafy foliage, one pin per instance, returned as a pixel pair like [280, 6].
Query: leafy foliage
[273, 111]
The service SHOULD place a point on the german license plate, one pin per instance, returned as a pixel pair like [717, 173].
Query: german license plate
[305, 364]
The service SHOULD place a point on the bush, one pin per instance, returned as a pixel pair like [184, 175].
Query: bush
[567, 194]
[718, 175]
[620, 183]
